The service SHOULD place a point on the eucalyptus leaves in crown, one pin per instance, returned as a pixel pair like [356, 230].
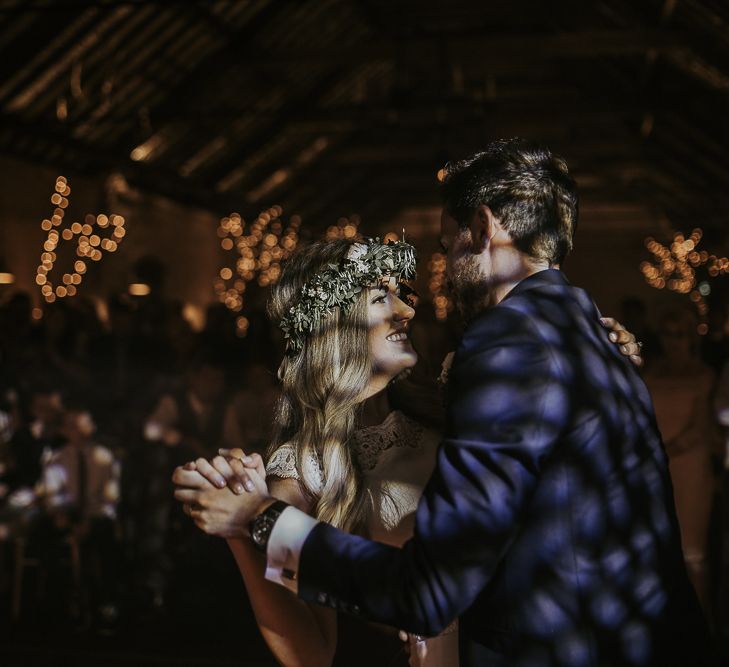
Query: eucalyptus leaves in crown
[338, 286]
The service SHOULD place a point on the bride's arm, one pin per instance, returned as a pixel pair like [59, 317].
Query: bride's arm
[298, 634]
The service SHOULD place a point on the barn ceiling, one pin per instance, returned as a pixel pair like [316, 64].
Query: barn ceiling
[329, 107]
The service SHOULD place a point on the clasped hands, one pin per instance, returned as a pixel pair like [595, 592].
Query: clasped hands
[223, 495]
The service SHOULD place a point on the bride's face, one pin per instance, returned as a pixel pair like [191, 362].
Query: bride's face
[388, 319]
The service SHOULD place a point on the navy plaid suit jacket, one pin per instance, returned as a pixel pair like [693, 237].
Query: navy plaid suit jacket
[548, 524]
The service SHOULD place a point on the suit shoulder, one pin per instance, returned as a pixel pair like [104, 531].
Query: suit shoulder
[504, 336]
[499, 323]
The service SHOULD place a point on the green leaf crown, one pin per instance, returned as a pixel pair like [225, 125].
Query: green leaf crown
[366, 263]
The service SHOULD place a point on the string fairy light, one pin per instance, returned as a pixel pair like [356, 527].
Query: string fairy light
[442, 304]
[674, 268]
[346, 228]
[90, 243]
[257, 251]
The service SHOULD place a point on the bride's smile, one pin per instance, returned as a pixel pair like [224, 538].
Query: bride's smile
[388, 320]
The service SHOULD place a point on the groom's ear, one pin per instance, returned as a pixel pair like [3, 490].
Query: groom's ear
[482, 229]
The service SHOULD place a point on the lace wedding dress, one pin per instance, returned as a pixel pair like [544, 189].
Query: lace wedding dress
[396, 458]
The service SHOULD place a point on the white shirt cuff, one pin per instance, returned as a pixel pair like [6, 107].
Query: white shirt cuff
[284, 547]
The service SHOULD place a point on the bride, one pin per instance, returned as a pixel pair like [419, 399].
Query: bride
[344, 449]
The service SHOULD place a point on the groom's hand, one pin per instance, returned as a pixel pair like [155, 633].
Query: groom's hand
[219, 511]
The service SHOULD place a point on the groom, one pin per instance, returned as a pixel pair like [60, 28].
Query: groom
[548, 525]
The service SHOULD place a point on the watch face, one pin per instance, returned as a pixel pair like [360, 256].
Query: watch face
[261, 530]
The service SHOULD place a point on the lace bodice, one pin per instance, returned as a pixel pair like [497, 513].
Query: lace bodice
[396, 458]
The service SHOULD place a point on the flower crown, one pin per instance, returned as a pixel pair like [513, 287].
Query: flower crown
[338, 286]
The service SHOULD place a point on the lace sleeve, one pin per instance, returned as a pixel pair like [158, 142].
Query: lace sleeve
[283, 463]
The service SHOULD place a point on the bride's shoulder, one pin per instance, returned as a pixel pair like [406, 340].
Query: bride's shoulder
[284, 478]
[284, 463]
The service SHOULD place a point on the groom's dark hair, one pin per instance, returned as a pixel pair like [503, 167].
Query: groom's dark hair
[527, 187]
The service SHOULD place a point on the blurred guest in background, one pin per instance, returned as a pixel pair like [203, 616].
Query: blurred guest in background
[81, 493]
[190, 420]
[39, 431]
[681, 385]
[254, 408]
[198, 418]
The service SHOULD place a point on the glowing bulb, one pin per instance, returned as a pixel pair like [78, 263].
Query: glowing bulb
[139, 289]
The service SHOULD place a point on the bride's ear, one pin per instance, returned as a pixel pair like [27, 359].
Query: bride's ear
[483, 228]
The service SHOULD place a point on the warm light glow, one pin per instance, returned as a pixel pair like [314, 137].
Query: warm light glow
[675, 267]
[145, 150]
[139, 289]
[86, 246]
[437, 286]
[195, 316]
[259, 251]
[6, 278]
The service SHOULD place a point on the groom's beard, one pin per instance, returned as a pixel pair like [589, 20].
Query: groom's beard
[469, 288]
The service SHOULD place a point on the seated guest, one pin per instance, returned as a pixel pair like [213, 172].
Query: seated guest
[81, 485]
[38, 431]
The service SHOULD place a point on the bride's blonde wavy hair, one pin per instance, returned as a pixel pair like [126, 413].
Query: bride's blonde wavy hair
[321, 390]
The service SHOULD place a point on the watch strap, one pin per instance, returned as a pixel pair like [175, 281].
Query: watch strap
[262, 525]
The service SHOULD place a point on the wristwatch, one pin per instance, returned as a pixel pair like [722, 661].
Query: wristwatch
[262, 525]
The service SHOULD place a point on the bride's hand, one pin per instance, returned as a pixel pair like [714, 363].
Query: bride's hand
[231, 467]
[625, 340]
[252, 461]
[218, 511]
